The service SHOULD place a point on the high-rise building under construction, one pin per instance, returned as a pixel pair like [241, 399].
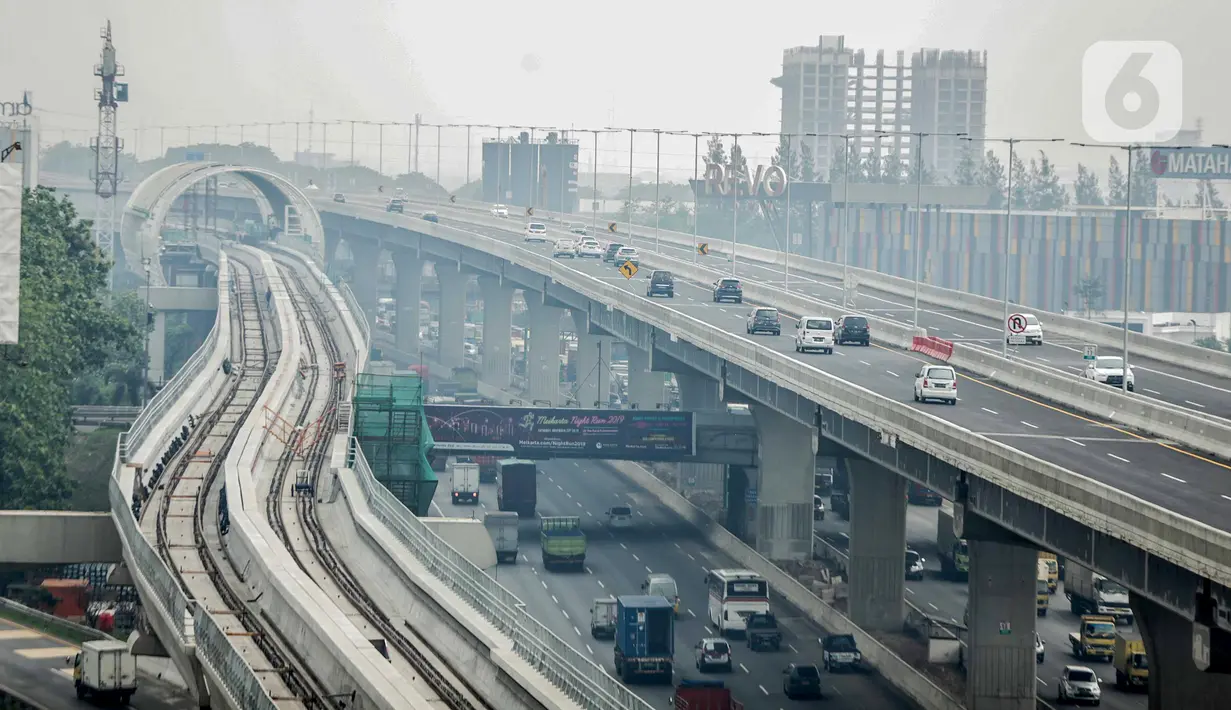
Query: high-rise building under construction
[832, 89]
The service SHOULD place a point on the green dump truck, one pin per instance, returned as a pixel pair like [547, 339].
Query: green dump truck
[564, 544]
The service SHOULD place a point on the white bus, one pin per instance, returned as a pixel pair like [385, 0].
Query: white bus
[734, 594]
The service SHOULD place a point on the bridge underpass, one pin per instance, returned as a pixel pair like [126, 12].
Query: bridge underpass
[1104, 548]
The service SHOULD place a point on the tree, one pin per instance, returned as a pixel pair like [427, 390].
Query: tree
[967, 171]
[1090, 292]
[1212, 343]
[117, 380]
[1145, 182]
[893, 168]
[787, 157]
[807, 166]
[837, 167]
[65, 330]
[870, 166]
[991, 174]
[1086, 188]
[715, 152]
[1022, 184]
[1208, 198]
[1046, 192]
[738, 163]
[912, 173]
[1116, 186]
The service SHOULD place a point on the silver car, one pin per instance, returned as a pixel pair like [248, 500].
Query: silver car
[713, 653]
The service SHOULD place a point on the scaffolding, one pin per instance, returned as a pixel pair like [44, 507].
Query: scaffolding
[392, 431]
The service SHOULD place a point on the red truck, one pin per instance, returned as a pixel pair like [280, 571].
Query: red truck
[704, 695]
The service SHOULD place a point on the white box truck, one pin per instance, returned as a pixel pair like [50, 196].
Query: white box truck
[1092, 593]
[105, 670]
[465, 482]
[503, 529]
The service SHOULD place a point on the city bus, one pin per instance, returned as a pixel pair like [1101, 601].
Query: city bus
[734, 594]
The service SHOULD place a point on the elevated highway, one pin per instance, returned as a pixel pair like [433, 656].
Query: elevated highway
[1006, 457]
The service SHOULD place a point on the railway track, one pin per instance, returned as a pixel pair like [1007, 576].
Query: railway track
[188, 535]
[449, 687]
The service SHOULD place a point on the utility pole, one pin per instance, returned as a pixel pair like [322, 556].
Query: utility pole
[107, 146]
[418, 129]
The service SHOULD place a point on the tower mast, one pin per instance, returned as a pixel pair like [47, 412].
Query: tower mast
[107, 146]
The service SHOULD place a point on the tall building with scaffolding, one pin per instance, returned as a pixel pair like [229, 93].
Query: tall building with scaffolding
[833, 89]
[392, 431]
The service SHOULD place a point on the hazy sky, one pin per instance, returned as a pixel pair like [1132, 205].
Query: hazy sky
[677, 66]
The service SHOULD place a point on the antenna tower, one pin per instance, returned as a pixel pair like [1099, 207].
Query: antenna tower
[107, 146]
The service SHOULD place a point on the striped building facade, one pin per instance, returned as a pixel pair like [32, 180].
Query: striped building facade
[1177, 265]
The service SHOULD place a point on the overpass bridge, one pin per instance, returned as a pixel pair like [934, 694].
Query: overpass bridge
[1005, 458]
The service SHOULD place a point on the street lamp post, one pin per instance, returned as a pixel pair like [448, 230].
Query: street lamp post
[438, 154]
[1008, 234]
[917, 242]
[658, 145]
[734, 183]
[352, 144]
[632, 132]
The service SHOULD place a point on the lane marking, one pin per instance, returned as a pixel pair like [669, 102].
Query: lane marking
[793, 649]
[763, 690]
[564, 612]
[1119, 458]
[590, 650]
[577, 631]
[692, 613]
[553, 598]
[1074, 441]
[892, 373]
[990, 411]
[744, 668]
[1195, 404]
[600, 583]
[1032, 426]
[1177, 480]
[934, 607]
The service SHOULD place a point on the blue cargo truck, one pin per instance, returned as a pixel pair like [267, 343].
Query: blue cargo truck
[645, 638]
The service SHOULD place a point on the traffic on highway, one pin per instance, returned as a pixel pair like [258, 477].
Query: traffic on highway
[620, 558]
[1154, 470]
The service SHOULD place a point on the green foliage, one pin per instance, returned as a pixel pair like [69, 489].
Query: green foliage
[1020, 192]
[1144, 181]
[715, 152]
[1087, 188]
[1212, 343]
[893, 169]
[807, 165]
[991, 174]
[1116, 186]
[65, 330]
[837, 166]
[1090, 292]
[869, 167]
[786, 157]
[117, 380]
[967, 171]
[1046, 192]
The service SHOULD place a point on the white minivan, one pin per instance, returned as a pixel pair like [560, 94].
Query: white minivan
[1027, 327]
[814, 333]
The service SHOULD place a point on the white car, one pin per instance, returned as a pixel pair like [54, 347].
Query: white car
[713, 653]
[627, 254]
[589, 248]
[1109, 370]
[938, 382]
[1079, 684]
[500, 211]
[1026, 325]
[1039, 649]
[536, 232]
[564, 248]
[620, 516]
[814, 333]
[914, 565]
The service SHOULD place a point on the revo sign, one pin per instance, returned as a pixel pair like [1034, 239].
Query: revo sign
[767, 181]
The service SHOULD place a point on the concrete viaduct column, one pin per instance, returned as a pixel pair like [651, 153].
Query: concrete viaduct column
[453, 283]
[593, 364]
[1175, 680]
[699, 393]
[497, 330]
[787, 464]
[645, 387]
[158, 349]
[408, 293]
[543, 350]
[878, 546]
[1001, 670]
[366, 254]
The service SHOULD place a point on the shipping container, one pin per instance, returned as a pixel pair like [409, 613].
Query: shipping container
[645, 638]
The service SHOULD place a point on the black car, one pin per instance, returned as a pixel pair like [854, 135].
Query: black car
[662, 283]
[764, 320]
[395, 205]
[839, 652]
[853, 329]
[801, 680]
[728, 290]
[612, 248]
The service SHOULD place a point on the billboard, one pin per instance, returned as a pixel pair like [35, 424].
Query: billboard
[1191, 163]
[10, 250]
[544, 432]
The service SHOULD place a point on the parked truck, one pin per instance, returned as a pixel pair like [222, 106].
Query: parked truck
[517, 486]
[564, 544]
[1132, 668]
[645, 638]
[105, 670]
[1053, 570]
[503, 529]
[954, 555]
[1042, 596]
[762, 632]
[464, 479]
[704, 695]
[1095, 639]
[1092, 593]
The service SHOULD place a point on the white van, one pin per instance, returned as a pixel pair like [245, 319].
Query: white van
[814, 333]
[1025, 328]
[620, 516]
